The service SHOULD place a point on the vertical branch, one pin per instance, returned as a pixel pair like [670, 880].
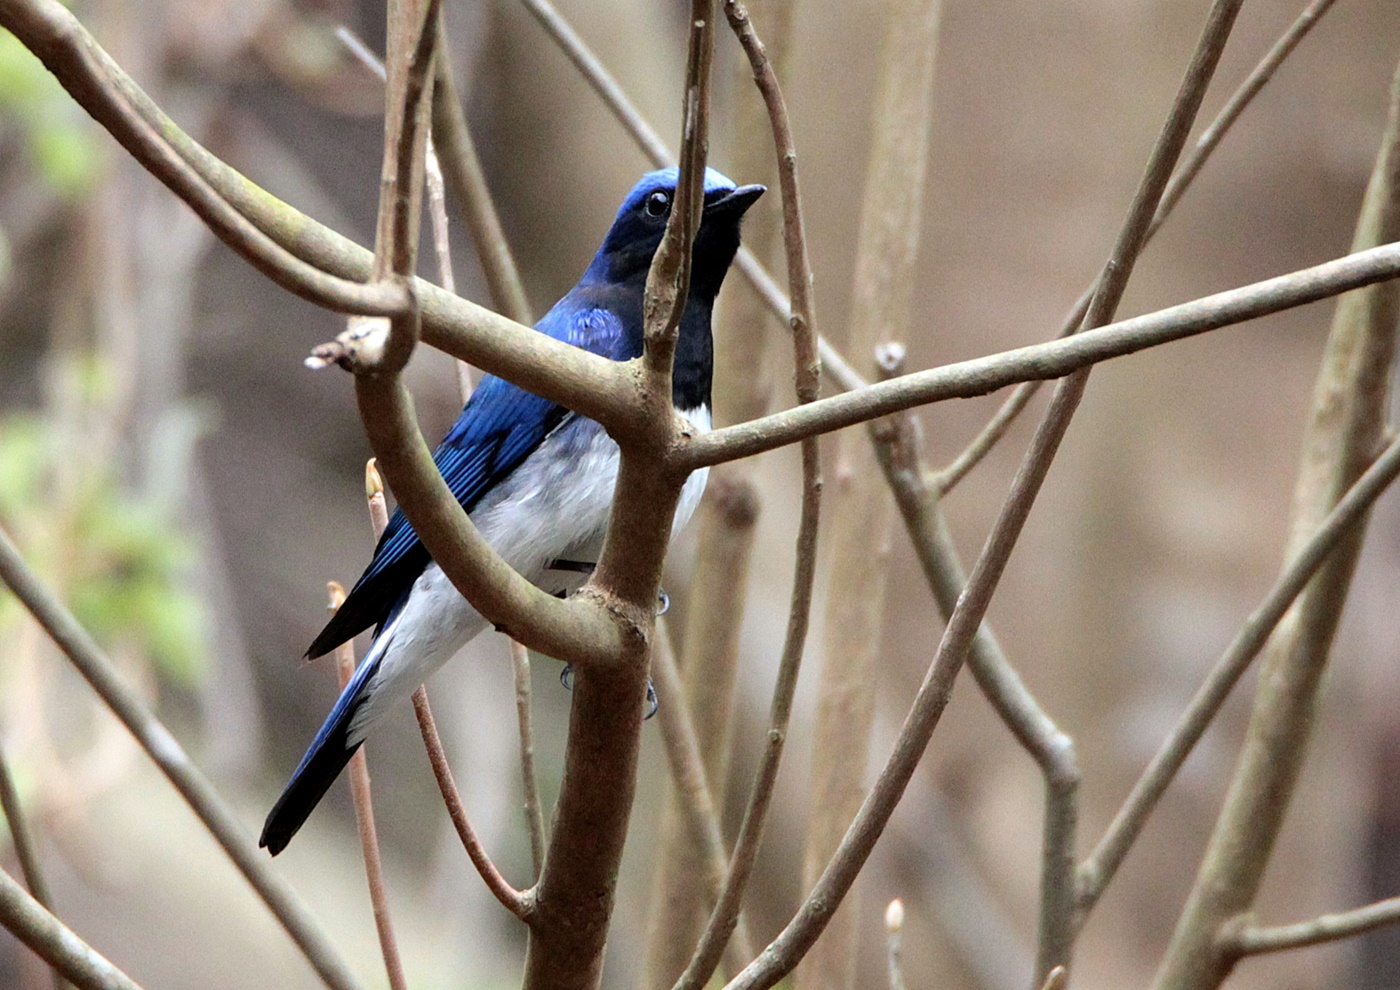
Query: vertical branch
[1341, 439]
[725, 525]
[574, 897]
[534, 817]
[862, 512]
[807, 382]
[364, 820]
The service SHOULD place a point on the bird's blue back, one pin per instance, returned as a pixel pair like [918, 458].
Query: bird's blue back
[503, 424]
[499, 427]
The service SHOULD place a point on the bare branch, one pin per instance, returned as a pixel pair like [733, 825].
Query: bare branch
[519, 903]
[33, 925]
[175, 763]
[1098, 870]
[1253, 941]
[1346, 428]
[364, 820]
[807, 379]
[534, 817]
[1049, 360]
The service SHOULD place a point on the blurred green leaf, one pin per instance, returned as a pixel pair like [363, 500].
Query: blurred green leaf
[61, 139]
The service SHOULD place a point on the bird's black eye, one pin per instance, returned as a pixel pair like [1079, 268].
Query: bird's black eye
[657, 204]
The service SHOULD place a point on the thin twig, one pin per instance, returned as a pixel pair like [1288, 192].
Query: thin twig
[517, 902]
[1252, 941]
[971, 455]
[25, 850]
[534, 816]
[364, 821]
[32, 924]
[174, 762]
[1099, 868]
[697, 800]
[807, 381]
[898, 449]
[811, 919]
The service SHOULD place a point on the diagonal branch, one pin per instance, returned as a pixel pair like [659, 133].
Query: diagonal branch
[33, 925]
[1099, 868]
[995, 428]
[174, 762]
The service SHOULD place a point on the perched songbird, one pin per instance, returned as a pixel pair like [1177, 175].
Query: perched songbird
[536, 479]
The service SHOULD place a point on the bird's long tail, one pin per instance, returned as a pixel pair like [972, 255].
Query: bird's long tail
[329, 753]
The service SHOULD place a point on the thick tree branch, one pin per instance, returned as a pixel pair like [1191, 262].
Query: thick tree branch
[175, 763]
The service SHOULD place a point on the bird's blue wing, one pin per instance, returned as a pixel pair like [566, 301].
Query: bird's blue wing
[500, 426]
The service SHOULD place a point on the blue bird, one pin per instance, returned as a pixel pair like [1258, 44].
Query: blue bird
[536, 479]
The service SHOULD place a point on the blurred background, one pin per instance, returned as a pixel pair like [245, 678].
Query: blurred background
[171, 467]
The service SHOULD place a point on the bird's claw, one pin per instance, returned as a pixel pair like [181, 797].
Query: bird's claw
[566, 678]
[663, 602]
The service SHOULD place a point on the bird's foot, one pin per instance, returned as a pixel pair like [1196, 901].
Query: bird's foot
[566, 678]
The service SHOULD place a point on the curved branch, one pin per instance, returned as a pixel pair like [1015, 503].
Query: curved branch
[584, 382]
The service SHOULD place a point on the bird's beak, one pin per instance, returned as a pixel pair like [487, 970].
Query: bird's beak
[735, 203]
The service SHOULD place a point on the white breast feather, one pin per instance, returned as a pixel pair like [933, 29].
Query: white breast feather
[553, 506]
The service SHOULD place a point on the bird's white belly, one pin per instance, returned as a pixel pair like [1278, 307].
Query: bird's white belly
[555, 506]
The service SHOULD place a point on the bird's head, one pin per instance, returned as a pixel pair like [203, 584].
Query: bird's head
[636, 233]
